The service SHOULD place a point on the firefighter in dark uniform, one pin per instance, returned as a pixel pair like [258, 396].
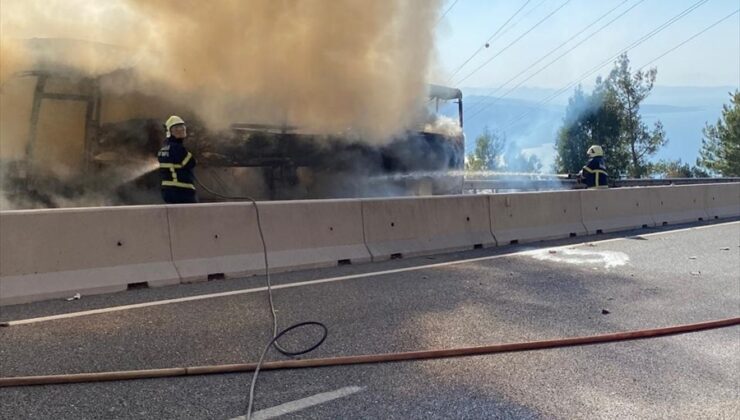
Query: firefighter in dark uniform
[594, 174]
[176, 165]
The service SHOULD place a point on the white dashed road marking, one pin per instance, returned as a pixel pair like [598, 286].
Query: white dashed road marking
[303, 403]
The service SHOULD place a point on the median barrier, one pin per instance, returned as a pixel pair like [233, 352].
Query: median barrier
[677, 204]
[53, 253]
[313, 233]
[722, 200]
[609, 210]
[414, 226]
[215, 240]
[526, 217]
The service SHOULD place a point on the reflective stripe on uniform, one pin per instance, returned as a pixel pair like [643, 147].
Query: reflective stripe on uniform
[170, 165]
[597, 172]
[186, 160]
[178, 184]
[173, 172]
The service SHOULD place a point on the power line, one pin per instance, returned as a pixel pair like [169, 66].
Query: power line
[521, 18]
[609, 60]
[489, 39]
[591, 35]
[447, 11]
[687, 40]
[513, 42]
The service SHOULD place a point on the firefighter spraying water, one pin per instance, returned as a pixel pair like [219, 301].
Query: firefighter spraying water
[594, 174]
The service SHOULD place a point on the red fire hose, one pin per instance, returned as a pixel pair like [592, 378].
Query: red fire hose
[365, 359]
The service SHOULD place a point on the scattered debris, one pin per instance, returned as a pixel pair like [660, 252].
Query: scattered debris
[75, 297]
[696, 273]
[605, 312]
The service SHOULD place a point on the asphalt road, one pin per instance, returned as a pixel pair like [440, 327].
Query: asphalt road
[644, 279]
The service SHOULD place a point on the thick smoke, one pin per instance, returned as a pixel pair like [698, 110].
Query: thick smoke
[356, 67]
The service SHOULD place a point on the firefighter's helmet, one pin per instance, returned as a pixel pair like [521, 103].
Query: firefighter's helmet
[594, 151]
[171, 122]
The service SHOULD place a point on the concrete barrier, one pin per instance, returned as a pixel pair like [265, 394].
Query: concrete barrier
[215, 240]
[722, 200]
[526, 217]
[313, 233]
[415, 226]
[46, 254]
[677, 204]
[55, 253]
[616, 209]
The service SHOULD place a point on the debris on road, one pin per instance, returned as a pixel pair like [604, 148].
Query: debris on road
[726, 248]
[692, 258]
[605, 312]
[696, 273]
[75, 297]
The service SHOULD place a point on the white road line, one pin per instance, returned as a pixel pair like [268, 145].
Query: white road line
[303, 403]
[327, 280]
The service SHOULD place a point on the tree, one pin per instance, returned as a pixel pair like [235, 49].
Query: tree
[591, 119]
[488, 152]
[677, 169]
[530, 164]
[610, 117]
[517, 161]
[720, 147]
[630, 90]
[574, 136]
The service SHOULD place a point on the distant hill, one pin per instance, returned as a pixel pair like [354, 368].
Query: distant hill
[683, 110]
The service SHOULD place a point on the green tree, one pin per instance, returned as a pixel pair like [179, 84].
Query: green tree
[630, 90]
[720, 147]
[488, 152]
[574, 136]
[610, 117]
[677, 169]
[517, 161]
[591, 119]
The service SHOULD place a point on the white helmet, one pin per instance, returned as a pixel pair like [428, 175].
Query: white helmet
[171, 122]
[594, 151]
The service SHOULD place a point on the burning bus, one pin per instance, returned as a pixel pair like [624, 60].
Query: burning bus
[72, 139]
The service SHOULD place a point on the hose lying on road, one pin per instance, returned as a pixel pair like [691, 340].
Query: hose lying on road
[275, 334]
[365, 359]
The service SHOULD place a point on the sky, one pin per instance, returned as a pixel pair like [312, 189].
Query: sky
[711, 59]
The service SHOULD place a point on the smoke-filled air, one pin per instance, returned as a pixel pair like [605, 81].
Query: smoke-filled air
[326, 66]
[283, 99]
